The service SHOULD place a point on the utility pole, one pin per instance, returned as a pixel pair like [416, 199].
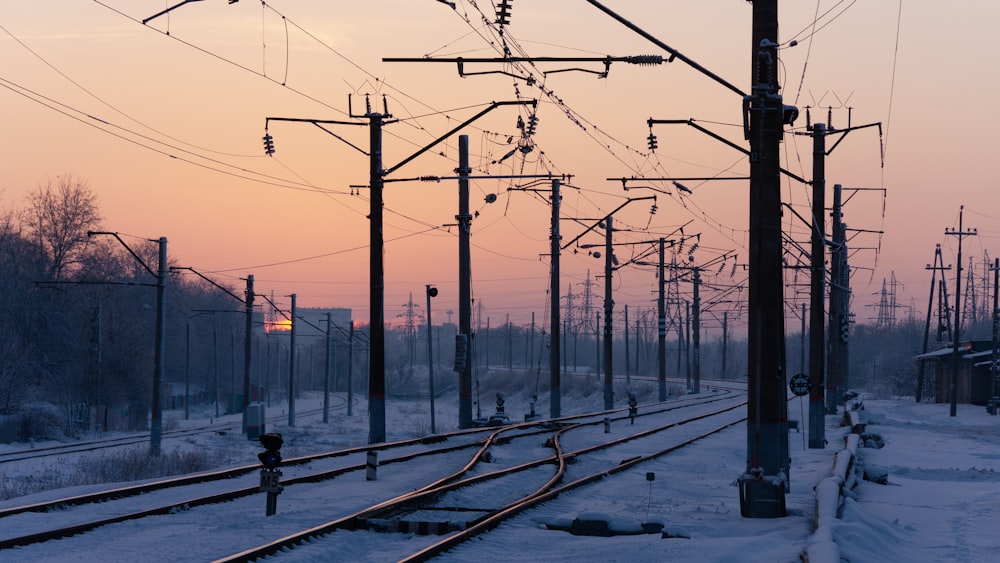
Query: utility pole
[765, 481]
[995, 360]
[628, 365]
[817, 293]
[555, 384]
[350, 368]
[661, 328]
[696, 331]
[839, 303]
[187, 369]
[464, 218]
[376, 183]
[802, 339]
[293, 365]
[327, 365]
[159, 361]
[597, 345]
[431, 292]
[687, 345]
[159, 346]
[248, 310]
[938, 265]
[725, 341]
[609, 306]
[953, 386]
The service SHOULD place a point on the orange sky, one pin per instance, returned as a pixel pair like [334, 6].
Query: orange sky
[200, 95]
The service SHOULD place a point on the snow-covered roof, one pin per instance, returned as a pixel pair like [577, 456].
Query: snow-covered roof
[941, 352]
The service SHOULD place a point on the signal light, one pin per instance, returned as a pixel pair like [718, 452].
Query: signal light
[268, 144]
[271, 458]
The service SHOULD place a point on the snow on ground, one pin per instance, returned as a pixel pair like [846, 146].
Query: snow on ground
[941, 502]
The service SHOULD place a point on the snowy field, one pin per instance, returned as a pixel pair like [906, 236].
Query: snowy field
[941, 503]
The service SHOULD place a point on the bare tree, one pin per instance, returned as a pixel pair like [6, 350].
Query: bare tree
[57, 217]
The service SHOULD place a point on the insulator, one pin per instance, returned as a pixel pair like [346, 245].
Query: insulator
[503, 12]
[532, 124]
[268, 144]
[644, 60]
[652, 142]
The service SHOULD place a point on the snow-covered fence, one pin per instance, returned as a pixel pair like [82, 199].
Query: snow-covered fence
[830, 492]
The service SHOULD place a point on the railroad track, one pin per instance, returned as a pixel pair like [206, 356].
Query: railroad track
[108, 443]
[178, 498]
[472, 513]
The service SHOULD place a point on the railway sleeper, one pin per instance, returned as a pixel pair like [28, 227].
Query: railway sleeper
[422, 522]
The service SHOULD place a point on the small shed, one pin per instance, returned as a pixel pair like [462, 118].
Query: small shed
[940, 363]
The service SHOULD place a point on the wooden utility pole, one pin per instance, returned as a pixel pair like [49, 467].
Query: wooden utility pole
[953, 385]
[938, 265]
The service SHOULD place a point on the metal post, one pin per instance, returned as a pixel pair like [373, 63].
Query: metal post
[555, 408]
[293, 365]
[159, 359]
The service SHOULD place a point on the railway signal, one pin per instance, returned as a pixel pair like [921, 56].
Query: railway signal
[270, 476]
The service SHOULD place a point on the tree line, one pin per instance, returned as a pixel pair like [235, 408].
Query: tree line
[78, 311]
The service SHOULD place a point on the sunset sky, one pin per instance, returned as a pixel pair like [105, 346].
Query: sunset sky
[164, 122]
